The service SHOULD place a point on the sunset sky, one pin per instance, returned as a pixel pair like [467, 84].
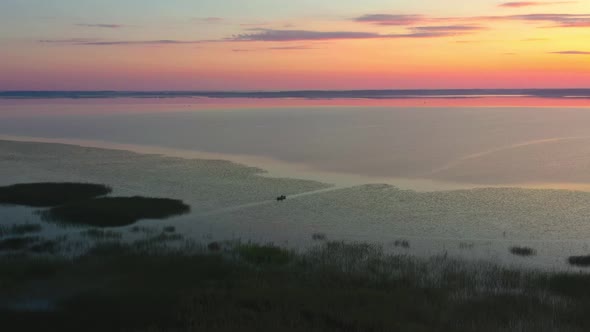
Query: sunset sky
[303, 44]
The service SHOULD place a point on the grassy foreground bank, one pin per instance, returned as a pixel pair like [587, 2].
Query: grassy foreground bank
[172, 286]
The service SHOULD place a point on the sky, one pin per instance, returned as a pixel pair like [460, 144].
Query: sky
[293, 45]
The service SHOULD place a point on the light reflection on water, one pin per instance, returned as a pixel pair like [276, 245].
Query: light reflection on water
[421, 148]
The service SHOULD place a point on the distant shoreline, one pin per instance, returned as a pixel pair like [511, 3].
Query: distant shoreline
[308, 94]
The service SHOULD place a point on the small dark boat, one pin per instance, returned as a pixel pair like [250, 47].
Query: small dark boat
[281, 198]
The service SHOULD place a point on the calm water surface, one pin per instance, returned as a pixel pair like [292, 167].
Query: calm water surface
[439, 150]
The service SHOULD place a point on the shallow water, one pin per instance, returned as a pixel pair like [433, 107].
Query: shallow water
[457, 161]
[231, 201]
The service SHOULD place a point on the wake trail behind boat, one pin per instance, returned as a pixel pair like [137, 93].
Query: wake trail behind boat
[269, 201]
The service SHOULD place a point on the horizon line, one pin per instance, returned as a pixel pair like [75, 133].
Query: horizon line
[565, 93]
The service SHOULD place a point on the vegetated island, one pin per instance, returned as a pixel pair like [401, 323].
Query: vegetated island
[48, 194]
[86, 204]
[115, 211]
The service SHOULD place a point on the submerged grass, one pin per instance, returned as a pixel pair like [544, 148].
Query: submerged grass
[19, 229]
[100, 234]
[50, 194]
[34, 244]
[214, 246]
[466, 245]
[402, 243]
[155, 286]
[46, 246]
[18, 243]
[523, 251]
[115, 211]
[319, 236]
[143, 229]
[169, 229]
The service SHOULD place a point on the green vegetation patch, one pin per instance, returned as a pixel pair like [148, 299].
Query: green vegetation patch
[50, 194]
[115, 211]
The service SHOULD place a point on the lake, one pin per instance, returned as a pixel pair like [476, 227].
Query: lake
[465, 176]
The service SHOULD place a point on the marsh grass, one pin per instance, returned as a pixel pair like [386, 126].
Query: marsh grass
[36, 245]
[169, 229]
[100, 234]
[157, 242]
[263, 254]
[46, 246]
[115, 211]
[523, 251]
[214, 246]
[17, 272]
[18, 243]
[335, 286]
[50, 194]
[402, 243]
[466, 245]
[19, 229]
[319, 236]
[143, 229]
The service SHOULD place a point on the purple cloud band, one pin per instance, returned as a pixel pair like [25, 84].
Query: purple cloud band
[101, 25]
[272, 35]
[99, 42]
[571, 52]
[519, 4]
[387, 19]
[298, 35]
[558, 20]
[416, 26]
[448, 28]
